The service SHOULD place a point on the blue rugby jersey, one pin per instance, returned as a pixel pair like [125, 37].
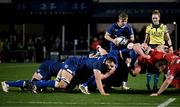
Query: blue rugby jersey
[75, 64]
[99, 64]
[115, 31]
[85, 64]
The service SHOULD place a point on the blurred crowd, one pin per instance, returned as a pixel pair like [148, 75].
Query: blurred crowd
[36, 48]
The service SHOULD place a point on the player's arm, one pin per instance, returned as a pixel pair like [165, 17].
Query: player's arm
[101, 50]
[92, 55]
[146, 40]
[136, 70]
[168, 39]
[138, 49]
[164, 85]
[108, 37]
[108, 74]
[126, 60]
[98, 78]
[131, 39]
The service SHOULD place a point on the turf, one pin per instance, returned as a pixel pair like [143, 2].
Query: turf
[137, 96]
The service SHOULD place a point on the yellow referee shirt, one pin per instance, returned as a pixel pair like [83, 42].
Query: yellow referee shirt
[156, 35]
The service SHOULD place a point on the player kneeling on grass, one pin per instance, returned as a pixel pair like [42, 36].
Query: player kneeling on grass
[101, 68]
[45, 71]
[171, 72]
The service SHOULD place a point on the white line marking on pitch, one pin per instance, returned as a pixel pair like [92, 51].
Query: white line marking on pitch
[164, 104]
[82, 103]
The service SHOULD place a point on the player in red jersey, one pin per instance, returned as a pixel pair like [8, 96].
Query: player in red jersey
[177, 52]
[143, 62]
[171, 69]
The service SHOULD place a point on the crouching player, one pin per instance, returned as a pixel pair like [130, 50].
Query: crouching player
[45, 71]
[73, 67]
[171, 72]
[128, 58]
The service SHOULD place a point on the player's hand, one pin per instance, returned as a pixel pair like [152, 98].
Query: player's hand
[130, 45]
[98, 46]
[147, 56]
[105, 94]
[154, 94]
[115, 42]
[128, 61]
[171, 49]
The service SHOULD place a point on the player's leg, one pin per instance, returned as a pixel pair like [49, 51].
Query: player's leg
[42, 73]
[62, 81]
[67, 72]
[90, 82]
[125, 79]
[19, 83]
[124, 75]
[156, 79]
[23, 84]
[64, 78]
[5, 86]
[37, 76]
[148, 80]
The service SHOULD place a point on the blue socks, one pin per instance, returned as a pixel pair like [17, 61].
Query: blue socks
[18, 83]
[156, 79]
[148, 78]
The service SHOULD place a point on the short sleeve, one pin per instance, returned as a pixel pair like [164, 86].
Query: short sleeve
[110, 30]
[165, 28]
[147, 29]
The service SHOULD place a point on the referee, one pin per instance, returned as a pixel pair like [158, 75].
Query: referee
[156, 35]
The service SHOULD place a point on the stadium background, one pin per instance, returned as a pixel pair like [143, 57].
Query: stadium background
[34, 30]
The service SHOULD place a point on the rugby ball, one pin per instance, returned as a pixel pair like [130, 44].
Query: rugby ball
[121, 40]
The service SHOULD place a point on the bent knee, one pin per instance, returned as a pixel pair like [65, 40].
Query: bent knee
[37, 76]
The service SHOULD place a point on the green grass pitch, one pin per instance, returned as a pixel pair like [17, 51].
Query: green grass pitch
[136, 97]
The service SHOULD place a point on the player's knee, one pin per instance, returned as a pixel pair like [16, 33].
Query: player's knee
[61, 82]
[63, 79]
[37, 76]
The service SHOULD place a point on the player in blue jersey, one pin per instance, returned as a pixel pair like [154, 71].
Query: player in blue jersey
[128, 61]
[110, 81]
[118, 29]
[77, 67]
[45, 71]
[121, 28]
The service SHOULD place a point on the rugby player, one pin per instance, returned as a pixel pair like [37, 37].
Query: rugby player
[121, 28]
[126, 60]
[118, 29]
[171, 69]
[46, 70]
[101, 68]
